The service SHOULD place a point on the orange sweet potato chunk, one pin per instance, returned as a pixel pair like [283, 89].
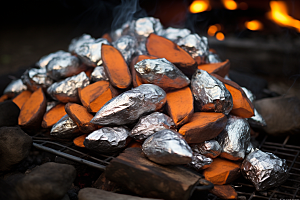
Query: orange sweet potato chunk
[116, 67]
[22, 98]
[163, 48]
[224, 192]
[221, 68]
[222, 171]
[33, 110]
[53, 115]
[81, 117]
[180, 105]
[79, 140]
[96, 104]
[203, 126]
[107, 36]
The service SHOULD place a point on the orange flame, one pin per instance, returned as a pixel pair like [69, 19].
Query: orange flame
[199, 6]
[279, 14]
[220, 36]
[213, 29]
[254, 25]
[230, 4]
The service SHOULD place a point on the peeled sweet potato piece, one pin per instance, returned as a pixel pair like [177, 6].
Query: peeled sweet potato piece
[203, 126]
[163, 48]
[222, 171]
[221, 68]
[5, 97]
[96, 104]
[224, 192]
[116, 67]
[180, 105]
[81, 117]
[33, 110]
[242, 106]
[53, 115]
[107, 36]
[89, 71]
[79, 140]
[22, 98]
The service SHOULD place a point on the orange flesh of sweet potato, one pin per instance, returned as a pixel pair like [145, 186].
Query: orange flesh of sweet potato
[53, 115]
[81, 117]
[180, 105]
[116, 67]
[107, 36]
[89, 71]
[164, 48]
[221, 68]
[5, 97]
[91, 92]
[203, 126]
[79, 140]
[22, 98]
[222, 171]
[224, 192]
[33, 110]
[100, 101]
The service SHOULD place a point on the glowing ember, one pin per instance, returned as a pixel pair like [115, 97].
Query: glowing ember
[220, 36]
[254, 25]
[243, 6]
[279, 14]
[230, 4]
[199, 6]
[213, 29]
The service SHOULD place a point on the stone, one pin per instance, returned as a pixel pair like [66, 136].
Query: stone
[9, 113]
[282, 114]
[15, 145]
[7, 191]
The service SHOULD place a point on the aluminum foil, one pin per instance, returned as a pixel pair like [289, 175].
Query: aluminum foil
[15, 87]
[99, 74]
[161, 72]
[65, 128]
[210, 148]
[125, 29]
[145, 26]
[67, 90]
[77, 42]
[249, 94]
[107, 139]
[235, 138]
[209, 90]
[130, 105]
[150, 124]
[250, 148]
[213, 58]
[51, 104]
[35, 78]
[43, 62]
[64, 66]
[167, 147]
[127, 45]
[90, 52]
[175, 34]
[195, 45]
[264, 170]
[200, 162]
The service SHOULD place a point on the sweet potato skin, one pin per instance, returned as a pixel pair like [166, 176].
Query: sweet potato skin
[220, 69]
[224, 192]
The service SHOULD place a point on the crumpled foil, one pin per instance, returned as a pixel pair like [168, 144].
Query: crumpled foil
[200, 162]
[161, 72]
[35, 78]
[99, 74]
[90, 52]
[235, 138]
[264, 170]
[64, 66]
[210, 148]
[167, 147]
[130, 105]
[127, 45]
[249, 94]
[77, 42]
[145, 26]
[250, 148]
[65, 128]
[209, 90]
[43, 62]
[175, 34]
[194, 45]
[67, 90]
[123, 30]
[213, 58]
[107, 139]
[15, 87]
[150, 124]
[51, 104]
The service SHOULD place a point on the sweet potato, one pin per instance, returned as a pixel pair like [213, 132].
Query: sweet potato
[134, 143]
[89, 71]
[79, 140]
[224, 192]
[242, 106]
[203, 126]
[100, 101]
[33, 110]
[116, 67]
[81, 117]
[164, 48]
[180, 105]
[53, 115]
[222, 171]
[221, 68]
[22, 98]
[5, 97]
[107, 36]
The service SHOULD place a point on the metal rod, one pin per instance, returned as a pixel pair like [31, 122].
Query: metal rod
[74, 158]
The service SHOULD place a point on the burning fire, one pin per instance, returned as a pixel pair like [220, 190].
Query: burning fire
[199, 6]
[213, 29]
[230, 4]
[279, 14]
[220, 36]
[254, 25]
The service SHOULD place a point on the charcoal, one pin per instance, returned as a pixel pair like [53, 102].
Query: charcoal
[9, 113]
